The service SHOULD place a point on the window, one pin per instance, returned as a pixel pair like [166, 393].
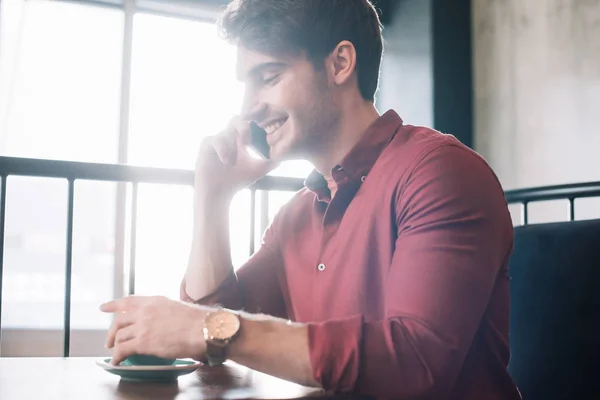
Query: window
[61, 67]
[183, 88]
[60, 71]
[60, 76]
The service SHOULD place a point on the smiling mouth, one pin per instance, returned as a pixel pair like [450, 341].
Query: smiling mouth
[272, 127]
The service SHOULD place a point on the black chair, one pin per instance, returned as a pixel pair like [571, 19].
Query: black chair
[555, 311]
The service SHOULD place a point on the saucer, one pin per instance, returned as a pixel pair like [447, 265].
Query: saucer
[150, 373]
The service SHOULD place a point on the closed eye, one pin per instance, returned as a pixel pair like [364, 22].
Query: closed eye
[270, 80]
[265, 74]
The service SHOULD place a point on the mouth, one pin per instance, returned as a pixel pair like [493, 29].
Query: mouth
[273, 126]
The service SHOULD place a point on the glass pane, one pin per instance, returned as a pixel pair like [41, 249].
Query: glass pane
[239, 228]
[164, 234]
[183, 88]
[60, 77]
[93, 253]
[587, 208]
[35, 253]
[271, 201]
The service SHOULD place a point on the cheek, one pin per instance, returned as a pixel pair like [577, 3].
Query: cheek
[279, 97]
[291, 95]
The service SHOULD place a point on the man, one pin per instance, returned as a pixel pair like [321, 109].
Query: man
[386, 276]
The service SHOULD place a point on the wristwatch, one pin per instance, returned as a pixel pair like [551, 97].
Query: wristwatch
[221, 327]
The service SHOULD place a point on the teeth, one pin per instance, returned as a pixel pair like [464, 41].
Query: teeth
[273, 127]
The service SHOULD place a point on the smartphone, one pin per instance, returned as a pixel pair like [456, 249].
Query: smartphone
[258, 141]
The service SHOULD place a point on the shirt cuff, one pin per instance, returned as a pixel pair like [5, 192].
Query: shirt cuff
[334, 348]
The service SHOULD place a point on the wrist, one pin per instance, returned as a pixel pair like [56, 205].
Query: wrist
[255, 331]
[196, 339]
[213, 188]
[214, 196]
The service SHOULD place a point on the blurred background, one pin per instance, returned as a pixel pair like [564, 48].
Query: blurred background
[140, 82]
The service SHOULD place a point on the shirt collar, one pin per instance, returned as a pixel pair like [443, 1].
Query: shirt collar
[361, 158]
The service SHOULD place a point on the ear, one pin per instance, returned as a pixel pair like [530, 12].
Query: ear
[343, 62]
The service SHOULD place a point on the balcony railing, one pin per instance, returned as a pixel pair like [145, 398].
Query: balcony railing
[569, 192]
[73, 171]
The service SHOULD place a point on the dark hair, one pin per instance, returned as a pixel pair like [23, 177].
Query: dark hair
[314, 26]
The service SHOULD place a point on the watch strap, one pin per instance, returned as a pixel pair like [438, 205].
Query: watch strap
[216, 354]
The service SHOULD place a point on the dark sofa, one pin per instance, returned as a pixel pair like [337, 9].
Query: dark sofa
[555, 310]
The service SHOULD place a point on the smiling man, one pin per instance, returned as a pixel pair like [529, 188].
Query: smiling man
[385, 276]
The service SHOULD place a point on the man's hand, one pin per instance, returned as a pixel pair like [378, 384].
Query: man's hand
[225, 165]
[155, 326]
[166, 328]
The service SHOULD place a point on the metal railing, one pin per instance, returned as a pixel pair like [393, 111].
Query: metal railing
[569, 192]
[73, 171]
[134, 175]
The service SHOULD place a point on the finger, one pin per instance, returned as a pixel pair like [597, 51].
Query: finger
[125, 334]
[225, 147]
[243, 131]
[129, 303]
[112, 306]
[124, 350]
[121, 321]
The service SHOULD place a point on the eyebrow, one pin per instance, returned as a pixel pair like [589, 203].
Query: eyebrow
[258, 69]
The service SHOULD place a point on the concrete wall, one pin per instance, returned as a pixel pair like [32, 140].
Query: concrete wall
[537, 90]
[537, 87]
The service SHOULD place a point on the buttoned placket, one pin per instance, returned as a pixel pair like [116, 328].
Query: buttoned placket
[332, 217]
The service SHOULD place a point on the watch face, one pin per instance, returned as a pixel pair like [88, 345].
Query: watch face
[222, 325]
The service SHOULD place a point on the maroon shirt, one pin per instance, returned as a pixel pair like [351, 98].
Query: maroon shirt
[401, 277]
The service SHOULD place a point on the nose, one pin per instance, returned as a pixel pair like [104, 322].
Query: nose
[248, 102]
[253, 110]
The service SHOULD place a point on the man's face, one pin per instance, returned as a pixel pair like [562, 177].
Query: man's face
[290, 99]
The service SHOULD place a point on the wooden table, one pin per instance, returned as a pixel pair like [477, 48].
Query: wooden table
[81, 378]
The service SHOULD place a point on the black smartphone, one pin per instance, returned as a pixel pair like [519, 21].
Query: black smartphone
[258, 140]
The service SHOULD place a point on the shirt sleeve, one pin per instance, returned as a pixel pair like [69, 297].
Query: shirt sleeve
[454, 237]
[255, 287]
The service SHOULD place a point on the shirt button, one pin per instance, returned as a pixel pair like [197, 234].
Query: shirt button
[363, 178]
[321, 267]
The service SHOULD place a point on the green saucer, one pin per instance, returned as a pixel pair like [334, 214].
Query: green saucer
[150, 373]
[142, 359]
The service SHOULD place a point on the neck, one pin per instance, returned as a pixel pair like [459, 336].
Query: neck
[354, 121]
